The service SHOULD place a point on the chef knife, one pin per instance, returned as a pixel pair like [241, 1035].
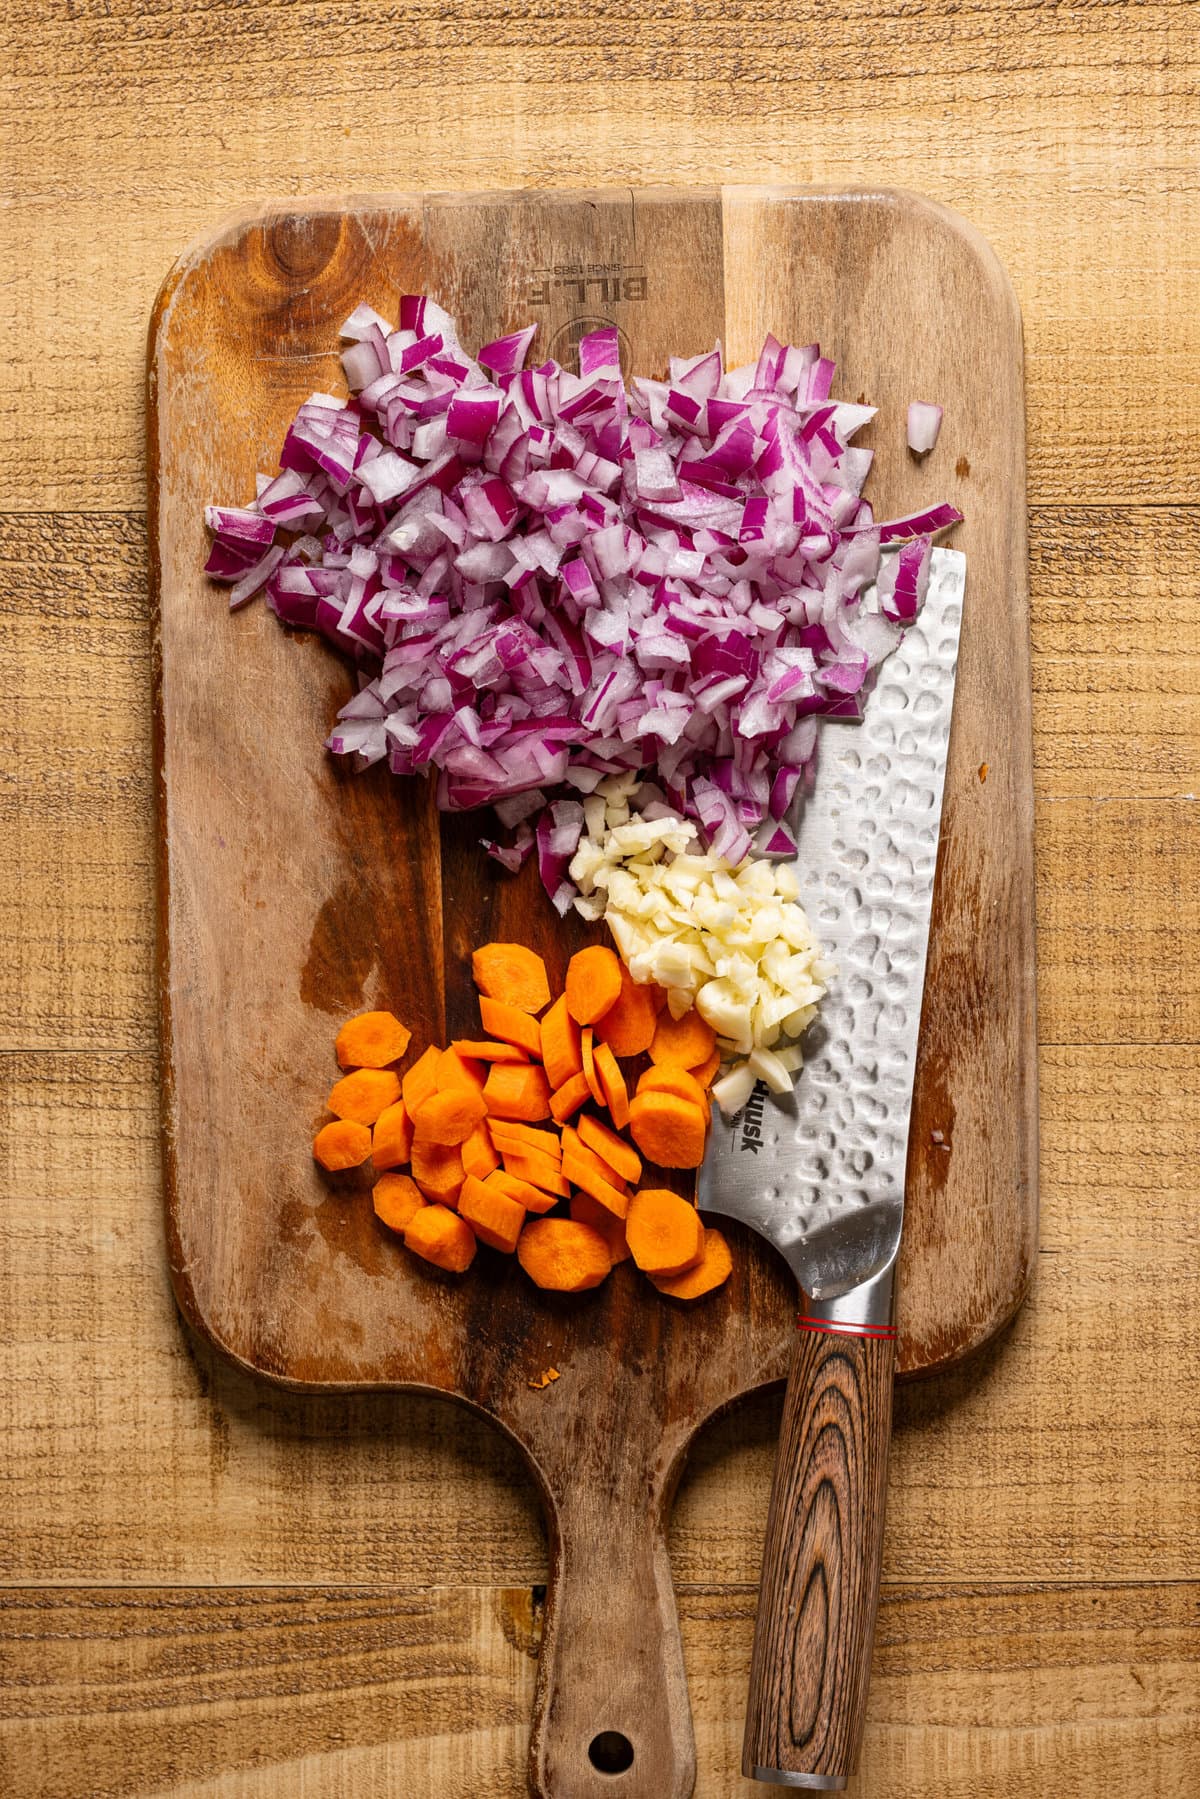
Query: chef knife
[820, 1174]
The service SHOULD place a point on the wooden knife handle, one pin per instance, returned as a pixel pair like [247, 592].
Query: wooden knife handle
[611, 1718]
[820, 1580]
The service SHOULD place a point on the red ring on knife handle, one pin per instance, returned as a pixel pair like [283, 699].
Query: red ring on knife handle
[842, 1328]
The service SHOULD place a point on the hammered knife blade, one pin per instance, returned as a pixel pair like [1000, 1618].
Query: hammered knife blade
[820, 1174]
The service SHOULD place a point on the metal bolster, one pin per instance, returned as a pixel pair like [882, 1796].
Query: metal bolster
[871, 1306]
[779, 1777]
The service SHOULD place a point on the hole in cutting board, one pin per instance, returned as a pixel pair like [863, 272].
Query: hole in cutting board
[611, 1752]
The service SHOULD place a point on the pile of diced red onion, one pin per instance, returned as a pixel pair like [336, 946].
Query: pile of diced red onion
[544, 578]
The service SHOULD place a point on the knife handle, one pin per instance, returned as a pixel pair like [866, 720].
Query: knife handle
[824, 1544]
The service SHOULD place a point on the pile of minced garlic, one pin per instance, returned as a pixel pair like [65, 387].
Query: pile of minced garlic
[732, 941]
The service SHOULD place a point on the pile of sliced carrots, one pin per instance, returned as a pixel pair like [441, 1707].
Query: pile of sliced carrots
[527, 1138]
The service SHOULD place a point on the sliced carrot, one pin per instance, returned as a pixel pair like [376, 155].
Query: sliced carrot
[612, 1084]
[593, 983]
[589, 1067]
[448, 1117]
[548, 1142]
[512, 973]
[454, 1070]
[576, 1150]
[667, 1078]
[664, 1232]
[478, 1049]
[712, 1270]
[569, 1097]
[479, 1154]
[539, 1171]
[686, 1041]
[628, 1025]
[668, 1130]
[438, 1171]
[581, 1173]
[342, 1145]
[495, 1218]
[391, 1140]
[363, 1095]
[586, 1210]
[532, 1198]
[561, 1049]
[610, 1148]
[707, 1072]
[395, 1198]
[563, 1255]
[371, 1040]
[441, 1237]
[511, 1024]
[517, 1092]
[421, 1079]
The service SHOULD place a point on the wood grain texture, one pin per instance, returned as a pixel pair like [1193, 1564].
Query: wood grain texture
[807, 1699]
[1069, 135]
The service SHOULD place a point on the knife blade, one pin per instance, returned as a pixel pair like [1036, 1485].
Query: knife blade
[820, 1174]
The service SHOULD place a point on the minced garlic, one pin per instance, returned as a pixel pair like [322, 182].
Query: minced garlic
[733, 942]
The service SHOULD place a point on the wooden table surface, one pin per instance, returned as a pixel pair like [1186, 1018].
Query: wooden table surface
[210, 1589]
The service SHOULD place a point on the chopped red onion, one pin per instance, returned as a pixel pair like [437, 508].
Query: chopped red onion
[924, 423]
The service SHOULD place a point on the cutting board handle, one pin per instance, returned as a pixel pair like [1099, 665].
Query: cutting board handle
[611, 1717]
[824, 1545]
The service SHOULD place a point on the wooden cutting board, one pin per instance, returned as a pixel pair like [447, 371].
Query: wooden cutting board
[292, 894]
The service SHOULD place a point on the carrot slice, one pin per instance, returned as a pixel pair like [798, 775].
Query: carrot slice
[707, 1072]
[686, 1041]
[511, 1025]
[668, 1130]
[363, 1095]
[593, 983]
[532, 1198]
[395, 1198]
[589, 1067]
[612, 1084]
[670, 1079]
[344, 1144]
[664, 1232]
[421, 1079]
[507, 1129]
[610, 1148]
[628, 1025]
[438, 1171]
[539, 1171]
[371, 1040]
[586, 1210]
[712, 1270]
[449, 1117]
[458, 1071]
[441, 1237]
[392, 1138]
[576, 1150]
[562, 1052]
[495, 1218]
[517, 1092]
[569, 1097]
[478, 1049]
[563, 1255]
[581, 1173]
[512, 973]
[479, 1155]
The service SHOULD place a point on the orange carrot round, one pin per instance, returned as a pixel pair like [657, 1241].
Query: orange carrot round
[667, 1078]
[513, 974]
[707, 1072]
[610, 1148]
[568, 1098]
[479, 1154]
[668, 1130]
[686, 1042]
[587, 1044]
[612, 1084]
[371, 1040]
[395, 1198]
[449, 1117]
[586, 1210]
[342, 1145]
[511, 1025]
[628, 1025]
[711, 1271]
[495, 1217]
[421, 1079]
[531, 1198]
[562, 1052]
[480, 1049]
[562, 1255]
[513, 1090]
[392, 1138]
[456, 1070]
[363, 1095]
[441, 1237]
[438, 1171]
[593, 983]
[664, 1232]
